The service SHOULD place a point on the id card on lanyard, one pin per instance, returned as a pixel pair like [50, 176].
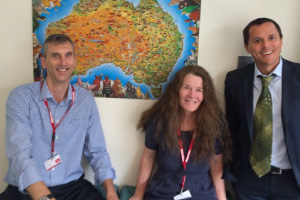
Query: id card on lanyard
[55, 159]
[184, 161]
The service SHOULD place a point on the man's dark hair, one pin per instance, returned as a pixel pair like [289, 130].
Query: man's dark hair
[259, 21]
[56, 39]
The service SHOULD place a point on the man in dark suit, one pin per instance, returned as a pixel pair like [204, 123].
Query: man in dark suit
[275, 175]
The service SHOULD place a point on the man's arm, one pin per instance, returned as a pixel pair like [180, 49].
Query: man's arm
[110, 190]
[233, 121]
[232, 117]
[95, 148]
[23, 170]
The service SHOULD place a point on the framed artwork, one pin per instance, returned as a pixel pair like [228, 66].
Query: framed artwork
[124, 48]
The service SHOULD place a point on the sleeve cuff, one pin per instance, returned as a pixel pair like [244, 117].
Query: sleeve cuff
[110, 174]
[28, 178]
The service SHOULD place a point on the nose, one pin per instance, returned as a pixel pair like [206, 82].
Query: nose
[191, 92]
[63, 61]
[265, 43]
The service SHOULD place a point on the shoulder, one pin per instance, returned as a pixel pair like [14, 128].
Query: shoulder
[83, 94]
[285, 61]
[84, 100]
[21, 97]
[242, 70]
[151, 124]
[292, 65]
[240, 73]
[150, 141]
[26, 91]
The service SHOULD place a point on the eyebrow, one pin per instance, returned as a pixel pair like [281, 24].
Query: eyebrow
[54, 54]
[258, 37]
[68, 53]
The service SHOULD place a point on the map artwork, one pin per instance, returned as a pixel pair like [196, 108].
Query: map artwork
[124, 48]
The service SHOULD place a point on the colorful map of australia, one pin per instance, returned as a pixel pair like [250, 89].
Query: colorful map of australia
[130, 49]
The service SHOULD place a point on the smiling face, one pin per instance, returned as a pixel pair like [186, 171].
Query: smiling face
[60, 61]
[265, 46]
[191, 93]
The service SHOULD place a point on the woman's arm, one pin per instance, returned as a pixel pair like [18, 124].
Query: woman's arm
[146, 165]
[216, 171]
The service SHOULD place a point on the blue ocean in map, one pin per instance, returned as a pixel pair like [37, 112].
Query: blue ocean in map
[112, 70]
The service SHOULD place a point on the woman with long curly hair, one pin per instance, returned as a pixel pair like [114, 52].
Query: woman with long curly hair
[186, 120]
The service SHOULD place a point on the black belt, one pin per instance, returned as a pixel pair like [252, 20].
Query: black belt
[276, 170]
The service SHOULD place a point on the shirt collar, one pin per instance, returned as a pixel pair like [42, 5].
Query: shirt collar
[277, 71]
[46, 94]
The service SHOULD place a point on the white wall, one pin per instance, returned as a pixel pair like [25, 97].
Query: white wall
[220, 45]
[222, 22]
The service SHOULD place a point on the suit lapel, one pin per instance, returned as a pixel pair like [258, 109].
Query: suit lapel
[248, 96]
[287, 87]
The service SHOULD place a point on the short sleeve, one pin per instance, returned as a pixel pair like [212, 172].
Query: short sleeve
[218, 147]
[150, 141]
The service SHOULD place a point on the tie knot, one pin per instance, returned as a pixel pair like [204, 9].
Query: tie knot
[266, 80]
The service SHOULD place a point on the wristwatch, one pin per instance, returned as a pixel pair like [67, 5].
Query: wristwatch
[47, 197]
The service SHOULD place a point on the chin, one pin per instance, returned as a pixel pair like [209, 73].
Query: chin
[190, 110]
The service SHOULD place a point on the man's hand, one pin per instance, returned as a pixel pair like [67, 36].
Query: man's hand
[37, 190]
[112, 196]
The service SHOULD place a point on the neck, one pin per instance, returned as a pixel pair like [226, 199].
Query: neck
[187, 122]
[58, 91]
[266, 71]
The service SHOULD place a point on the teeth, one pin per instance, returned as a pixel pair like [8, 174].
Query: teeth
[267, 53]
[62, 70]
[190, 101]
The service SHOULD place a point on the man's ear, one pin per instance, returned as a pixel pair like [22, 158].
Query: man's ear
[246, 47]
[75, 62]
[43, 62]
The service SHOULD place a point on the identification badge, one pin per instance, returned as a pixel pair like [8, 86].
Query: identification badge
[52, 162]
[184, 195]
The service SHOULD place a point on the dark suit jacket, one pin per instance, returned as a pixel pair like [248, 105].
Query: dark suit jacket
[239, 110]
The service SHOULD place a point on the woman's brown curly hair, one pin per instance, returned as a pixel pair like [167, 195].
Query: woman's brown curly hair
[211, 124]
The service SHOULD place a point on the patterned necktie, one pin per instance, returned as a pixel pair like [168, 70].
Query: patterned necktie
[260, 157]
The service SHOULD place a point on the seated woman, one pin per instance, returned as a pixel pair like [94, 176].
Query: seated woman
[186, 132]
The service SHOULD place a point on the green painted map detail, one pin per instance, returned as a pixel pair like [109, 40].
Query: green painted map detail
[143, 40]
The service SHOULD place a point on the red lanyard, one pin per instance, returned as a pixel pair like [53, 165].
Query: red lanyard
[52, 120]
[184, 160]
